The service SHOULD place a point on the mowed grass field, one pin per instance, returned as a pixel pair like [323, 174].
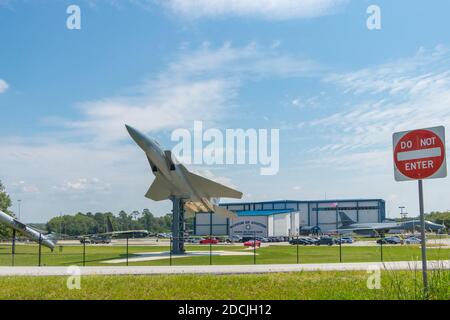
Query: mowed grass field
[27, 255]
[299, 286]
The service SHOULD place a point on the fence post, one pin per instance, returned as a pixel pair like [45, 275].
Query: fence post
[127, 250]
[170, 250]
[381, 247]
[40, 249]
[210, 250]
[254, 247]
[297, 250]
[84, 252]
[13, 248]
[340, 247]
[210, 238]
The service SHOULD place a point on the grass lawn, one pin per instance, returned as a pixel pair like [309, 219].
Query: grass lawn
[301, 285]
[27, 255]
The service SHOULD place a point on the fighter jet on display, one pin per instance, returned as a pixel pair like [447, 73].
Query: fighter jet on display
[105, 237]
[46, 240]
[173, 180]
[348, 225]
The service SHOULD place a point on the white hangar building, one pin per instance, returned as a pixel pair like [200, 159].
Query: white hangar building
[287, 217]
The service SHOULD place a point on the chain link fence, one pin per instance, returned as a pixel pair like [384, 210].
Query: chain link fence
[208, 251]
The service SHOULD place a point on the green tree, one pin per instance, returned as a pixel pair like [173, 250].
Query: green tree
[5, 203]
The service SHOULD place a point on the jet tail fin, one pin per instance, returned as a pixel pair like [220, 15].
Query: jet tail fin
[53, 237]
[159, 190]
[211, 188]
[345, 219]
[109, 225]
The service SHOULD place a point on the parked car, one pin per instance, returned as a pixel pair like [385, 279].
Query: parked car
[413, 240]
[390, 240]
[326, 241]
[193, 240]
[96, 240]
[209, 241]
[302, 241]
[233, 238]
[252, 243]
[346, 240]
[312, 240]
[262, 239]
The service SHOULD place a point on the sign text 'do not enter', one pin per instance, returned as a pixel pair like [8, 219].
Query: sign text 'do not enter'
[420, 154]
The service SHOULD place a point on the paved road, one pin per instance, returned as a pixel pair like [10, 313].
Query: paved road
[229, 269]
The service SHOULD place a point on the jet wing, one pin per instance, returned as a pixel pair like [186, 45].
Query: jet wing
[347, 230]
[159, 190]
[209, 187]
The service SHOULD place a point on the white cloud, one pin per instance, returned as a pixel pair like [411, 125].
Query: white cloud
[83, 185]
[405, 94]
[173, 105]
[23, 187]
[247, 61]
[200, 85]
[3, 86]
[267, 9]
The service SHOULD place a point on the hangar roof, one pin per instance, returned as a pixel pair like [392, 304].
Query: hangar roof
[262, 212]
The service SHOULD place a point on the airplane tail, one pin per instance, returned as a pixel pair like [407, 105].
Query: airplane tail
[109, 225]
[53, 237]
[345, 219]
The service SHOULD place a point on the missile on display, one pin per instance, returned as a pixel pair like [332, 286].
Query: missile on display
[26, 230]
[174, 180]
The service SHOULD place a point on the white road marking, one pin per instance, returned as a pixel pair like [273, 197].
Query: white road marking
[419, 154]
[222, 269]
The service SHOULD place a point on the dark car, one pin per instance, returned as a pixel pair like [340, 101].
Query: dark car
[302, 241]
[96, 240]
[390, 240]
[325, 241]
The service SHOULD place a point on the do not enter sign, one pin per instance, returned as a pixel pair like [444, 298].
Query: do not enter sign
[420, 154]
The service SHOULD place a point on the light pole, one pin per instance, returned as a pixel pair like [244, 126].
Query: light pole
[19, 202]
[403, 215]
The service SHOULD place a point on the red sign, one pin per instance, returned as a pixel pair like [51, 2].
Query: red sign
[419, 154]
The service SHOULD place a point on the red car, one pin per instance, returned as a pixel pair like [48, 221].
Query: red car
[252, 243]
[209, 241]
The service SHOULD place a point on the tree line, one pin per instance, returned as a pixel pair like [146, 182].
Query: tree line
[439, 217]
[92, 223]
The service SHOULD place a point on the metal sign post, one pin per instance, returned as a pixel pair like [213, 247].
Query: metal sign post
[340, 247]
[423, 240]
[297, 250]
[418, 155]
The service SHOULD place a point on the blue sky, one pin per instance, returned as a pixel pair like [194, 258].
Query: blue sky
[336, 90]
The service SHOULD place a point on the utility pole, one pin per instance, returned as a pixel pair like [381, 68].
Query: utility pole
[401, 212]
[19, 202]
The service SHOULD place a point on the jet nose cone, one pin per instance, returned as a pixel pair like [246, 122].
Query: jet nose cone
[141, 140]
[136, 135]
[132, 131]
